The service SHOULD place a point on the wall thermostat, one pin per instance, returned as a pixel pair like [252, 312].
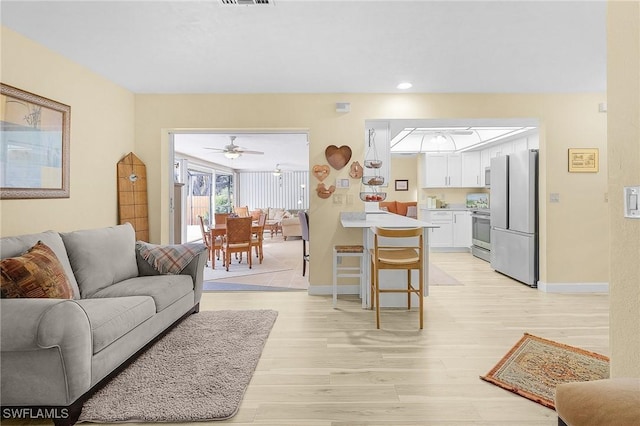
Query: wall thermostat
[631, 195]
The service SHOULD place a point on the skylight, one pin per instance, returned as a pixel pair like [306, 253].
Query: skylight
[451, 139]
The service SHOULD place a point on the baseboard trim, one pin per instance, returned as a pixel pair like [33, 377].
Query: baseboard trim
[323, 290]
[573, 287]
[450, 249]
[327, 290]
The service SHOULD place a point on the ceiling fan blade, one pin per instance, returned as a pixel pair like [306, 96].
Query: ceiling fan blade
[249, 152]
[216, 149]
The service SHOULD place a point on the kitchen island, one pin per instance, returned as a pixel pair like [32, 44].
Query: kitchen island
[389, 278]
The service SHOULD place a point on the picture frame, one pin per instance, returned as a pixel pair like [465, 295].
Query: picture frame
[583, 160]
[34, 145]
[402, 184]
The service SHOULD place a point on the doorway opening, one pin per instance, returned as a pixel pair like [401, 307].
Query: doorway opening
[267, 172]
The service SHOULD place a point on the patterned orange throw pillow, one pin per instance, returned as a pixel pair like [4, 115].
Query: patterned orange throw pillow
[37, 273]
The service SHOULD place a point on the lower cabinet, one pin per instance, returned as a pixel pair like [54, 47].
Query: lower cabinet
[462, 229]
[454, 232]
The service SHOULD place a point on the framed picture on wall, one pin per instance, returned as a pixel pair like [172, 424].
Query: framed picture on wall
[402, 185]
[34, 141]
[583, 160]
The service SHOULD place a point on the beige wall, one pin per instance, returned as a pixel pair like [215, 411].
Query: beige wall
[575, 230]
[102, 125]
[623, 75]
[403, 167]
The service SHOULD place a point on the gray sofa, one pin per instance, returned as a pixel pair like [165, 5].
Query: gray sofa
[57, 352]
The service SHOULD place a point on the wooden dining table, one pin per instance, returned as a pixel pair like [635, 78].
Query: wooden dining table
[220, 230]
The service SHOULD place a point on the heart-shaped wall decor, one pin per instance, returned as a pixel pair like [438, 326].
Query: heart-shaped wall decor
[338, 157]
[356, 170]
[321, 171]
[324, 192]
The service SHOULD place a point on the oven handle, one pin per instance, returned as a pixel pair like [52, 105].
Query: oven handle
[481, 216]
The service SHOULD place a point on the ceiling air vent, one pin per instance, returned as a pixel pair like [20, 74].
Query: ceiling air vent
[245, 2]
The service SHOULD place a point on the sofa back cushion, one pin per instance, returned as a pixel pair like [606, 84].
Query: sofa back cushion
[101, 257]
[389, 205]
[16, 246]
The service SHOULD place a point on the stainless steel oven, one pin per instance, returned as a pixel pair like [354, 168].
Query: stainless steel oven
[481, 234]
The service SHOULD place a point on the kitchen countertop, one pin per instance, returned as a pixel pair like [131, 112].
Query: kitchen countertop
[382, 219]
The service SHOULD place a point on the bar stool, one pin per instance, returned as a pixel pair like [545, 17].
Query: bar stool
[343, 251]
[407, 255]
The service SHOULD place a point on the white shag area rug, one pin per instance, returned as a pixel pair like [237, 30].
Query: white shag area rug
[198, 371]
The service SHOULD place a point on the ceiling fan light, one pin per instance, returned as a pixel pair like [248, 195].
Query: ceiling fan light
[232, 155]
[404, 85]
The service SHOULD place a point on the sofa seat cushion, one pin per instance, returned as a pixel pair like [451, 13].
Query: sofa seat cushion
[112, 318]
[164, 289]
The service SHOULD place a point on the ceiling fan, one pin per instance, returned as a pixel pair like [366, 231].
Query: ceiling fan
[233, 151]
[278, 171]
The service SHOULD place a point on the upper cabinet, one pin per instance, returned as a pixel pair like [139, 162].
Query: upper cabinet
[472, 170]
[451, 170]
[441, 170]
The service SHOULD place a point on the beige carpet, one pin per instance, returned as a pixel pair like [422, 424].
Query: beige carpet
[438, 277]
[198, 371]
[277, 257]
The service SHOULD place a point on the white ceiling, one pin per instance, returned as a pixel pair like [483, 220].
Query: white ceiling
[298, 46]
[288, 151]
[326, 46]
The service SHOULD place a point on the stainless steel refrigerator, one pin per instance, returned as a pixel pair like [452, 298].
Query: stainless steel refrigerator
[514, 215]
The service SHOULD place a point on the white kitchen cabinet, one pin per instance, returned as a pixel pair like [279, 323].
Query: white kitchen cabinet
[441, 170]
[462, 229]
[442, 236]
[472, 170]
[454, 232]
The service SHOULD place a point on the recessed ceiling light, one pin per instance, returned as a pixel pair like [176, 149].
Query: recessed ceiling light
[404, 86]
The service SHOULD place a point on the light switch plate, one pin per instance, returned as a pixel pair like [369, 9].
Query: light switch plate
[631, 202]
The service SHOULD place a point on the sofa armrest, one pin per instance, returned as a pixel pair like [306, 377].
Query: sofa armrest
[46, 347]
[195, 269]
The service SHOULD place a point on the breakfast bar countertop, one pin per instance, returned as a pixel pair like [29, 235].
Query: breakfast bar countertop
[382, 219]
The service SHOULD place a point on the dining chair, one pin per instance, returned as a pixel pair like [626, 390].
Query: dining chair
[397, 250]
[214, 245]
[238, 239]
[258, 236]
[242, 211]
[206, 238]
[220, 218]
[304, 225]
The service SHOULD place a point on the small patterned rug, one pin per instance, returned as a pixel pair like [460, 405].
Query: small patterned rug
[535, 366]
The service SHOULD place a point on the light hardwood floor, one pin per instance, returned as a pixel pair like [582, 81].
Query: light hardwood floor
[324, 366]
